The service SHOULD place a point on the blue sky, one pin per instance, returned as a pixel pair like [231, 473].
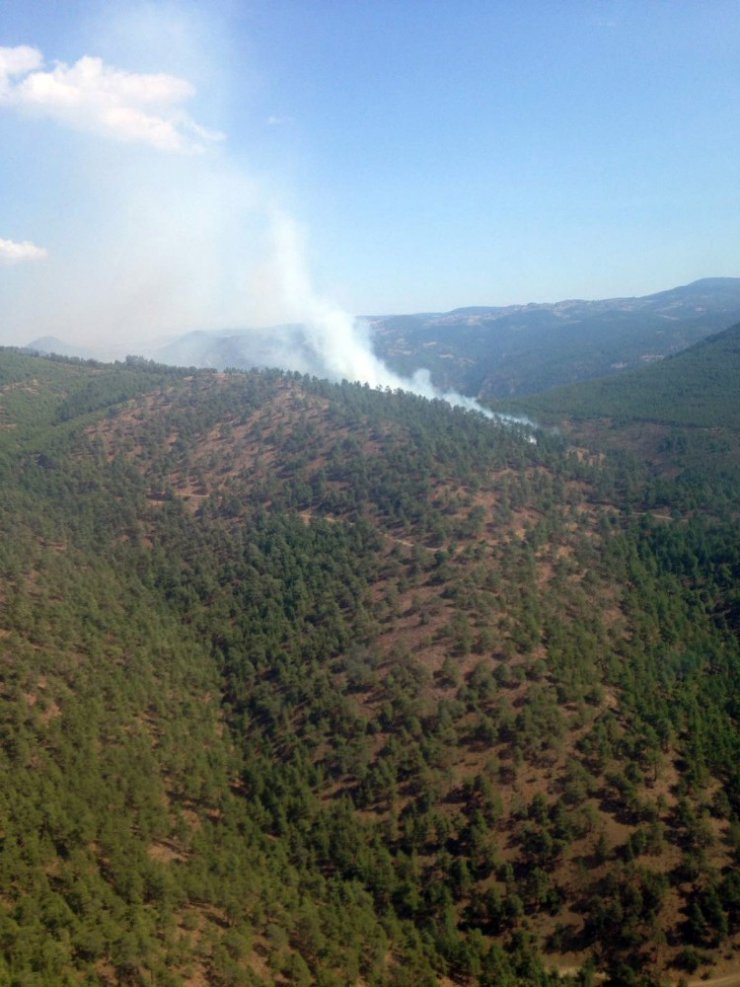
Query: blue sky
[421, 156]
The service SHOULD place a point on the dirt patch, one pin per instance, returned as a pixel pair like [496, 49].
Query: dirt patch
[165, 851]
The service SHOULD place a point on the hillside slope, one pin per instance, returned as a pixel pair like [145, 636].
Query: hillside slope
[305, 683]
[525, 349]
[696, 387]
[681, 415]
[497, 352]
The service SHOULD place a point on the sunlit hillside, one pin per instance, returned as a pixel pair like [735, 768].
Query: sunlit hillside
[308, 683]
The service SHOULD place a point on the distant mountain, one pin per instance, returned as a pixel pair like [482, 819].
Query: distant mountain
[285, 346]
[50, 345]
[524, 349]
[491, 352]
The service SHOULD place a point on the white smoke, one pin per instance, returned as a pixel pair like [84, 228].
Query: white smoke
[340, 341]
[165, 231]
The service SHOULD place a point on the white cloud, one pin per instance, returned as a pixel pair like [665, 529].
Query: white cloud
[13, 253]
[15, 61]
[90, 95]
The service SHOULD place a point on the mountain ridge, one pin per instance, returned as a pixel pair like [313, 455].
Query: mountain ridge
[515, 350]
[490, 352]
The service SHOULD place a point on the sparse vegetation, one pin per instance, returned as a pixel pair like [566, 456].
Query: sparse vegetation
[308, 683]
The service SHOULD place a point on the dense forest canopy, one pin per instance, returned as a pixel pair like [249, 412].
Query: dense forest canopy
[681, 415]
[696, 387]
[311, 683]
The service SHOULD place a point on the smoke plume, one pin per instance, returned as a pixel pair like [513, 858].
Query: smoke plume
[340, 343]
[161, 229]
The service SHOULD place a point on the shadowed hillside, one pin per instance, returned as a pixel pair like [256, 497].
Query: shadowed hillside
[697, 387]
[682, 416]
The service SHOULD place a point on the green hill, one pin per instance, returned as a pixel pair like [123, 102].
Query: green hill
[679, 419]
[697, 387]
[314, 684]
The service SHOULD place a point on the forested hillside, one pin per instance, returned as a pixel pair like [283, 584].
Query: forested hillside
[525, 349]
[310, 683]
[681, 415]
[696, 387]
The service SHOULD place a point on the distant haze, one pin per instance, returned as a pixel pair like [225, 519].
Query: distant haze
[482, 352]
[173, 168]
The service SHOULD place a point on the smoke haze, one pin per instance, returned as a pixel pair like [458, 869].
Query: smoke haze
[160, 230]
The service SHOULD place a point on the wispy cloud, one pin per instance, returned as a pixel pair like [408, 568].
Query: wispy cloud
[90, 95]
[12, 252]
